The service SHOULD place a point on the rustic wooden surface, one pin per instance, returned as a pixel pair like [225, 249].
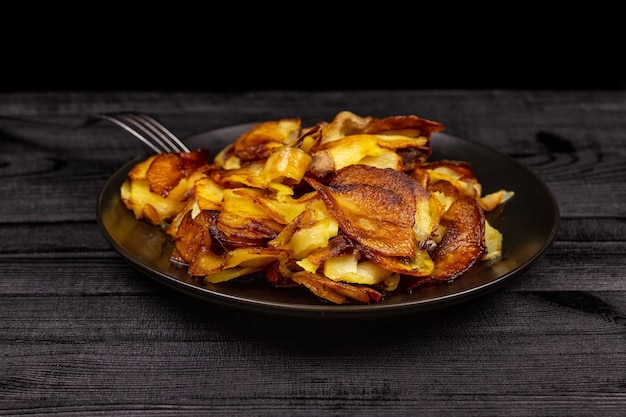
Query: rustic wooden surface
[84, 333]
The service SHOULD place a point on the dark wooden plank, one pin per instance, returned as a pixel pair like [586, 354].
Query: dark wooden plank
[83, 332]
[469, 356]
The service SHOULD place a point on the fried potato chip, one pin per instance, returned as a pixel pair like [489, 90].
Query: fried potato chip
[376, 217]
[462, 245]
[335, 291]
[158, 188]
[259, 142]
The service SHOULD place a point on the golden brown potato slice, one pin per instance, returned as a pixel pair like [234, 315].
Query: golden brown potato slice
[462, 245]
[259, 142]
[311, 229]
[158, 188]
[337, 246]
[191, 235]
[374, 212]
[336, 292]
[193, 244]
[164, 173]
[347, 123]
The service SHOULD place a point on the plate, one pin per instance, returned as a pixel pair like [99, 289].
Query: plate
[529, 223]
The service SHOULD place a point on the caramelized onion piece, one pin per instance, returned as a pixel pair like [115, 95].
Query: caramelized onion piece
[236, 231]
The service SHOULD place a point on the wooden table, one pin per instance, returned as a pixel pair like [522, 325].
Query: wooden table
[85, 333]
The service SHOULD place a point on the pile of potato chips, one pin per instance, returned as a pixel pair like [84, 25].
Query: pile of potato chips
[350, 209]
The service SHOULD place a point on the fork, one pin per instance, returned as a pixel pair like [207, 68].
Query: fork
[148, 130]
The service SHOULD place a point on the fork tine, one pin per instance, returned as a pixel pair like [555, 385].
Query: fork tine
[161, 131]
[130, 129]
[148, 130]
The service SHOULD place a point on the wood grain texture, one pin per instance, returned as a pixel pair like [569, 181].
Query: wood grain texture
[82, 332]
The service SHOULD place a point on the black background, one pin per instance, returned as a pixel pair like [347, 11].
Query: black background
[380, 47]
[210, 75]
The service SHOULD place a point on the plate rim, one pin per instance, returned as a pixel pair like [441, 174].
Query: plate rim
[322, 310]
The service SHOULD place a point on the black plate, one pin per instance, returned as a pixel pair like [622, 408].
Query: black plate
[528, 222]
